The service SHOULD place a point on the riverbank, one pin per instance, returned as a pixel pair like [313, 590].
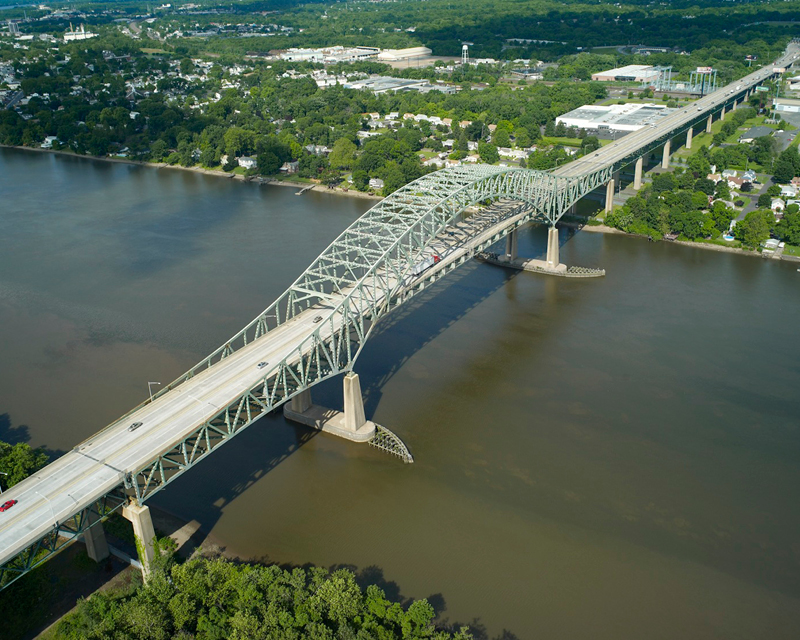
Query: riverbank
[209, 172]
[601, 228]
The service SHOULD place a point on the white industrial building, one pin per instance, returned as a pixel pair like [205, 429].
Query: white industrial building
[78, 34]
[631, 73]
[614, 117]
[396, 55]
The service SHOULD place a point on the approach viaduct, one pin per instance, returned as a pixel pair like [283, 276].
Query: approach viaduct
[315, 330]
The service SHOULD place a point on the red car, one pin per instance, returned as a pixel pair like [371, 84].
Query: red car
[7, 505]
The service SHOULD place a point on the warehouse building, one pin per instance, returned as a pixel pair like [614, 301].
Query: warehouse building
[631, 73]
[615, 117]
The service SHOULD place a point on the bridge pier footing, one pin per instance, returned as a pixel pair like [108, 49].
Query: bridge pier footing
[95, 538]
[350, 424]
[142, 522]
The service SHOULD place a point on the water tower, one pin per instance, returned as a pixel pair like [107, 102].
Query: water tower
[465, 53]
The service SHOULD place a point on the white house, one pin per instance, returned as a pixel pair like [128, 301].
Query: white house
[248, 162]
[788, 191]
[777, 205]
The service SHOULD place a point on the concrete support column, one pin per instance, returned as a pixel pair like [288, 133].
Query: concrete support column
[637, 174]
[511, 246]
[145, 535]
[722, 114]
[301, 402]
[689, 138]
[609, 196]
[552, 247]
[665, 156]
[708, 123]
[354, 417]
[95, 538]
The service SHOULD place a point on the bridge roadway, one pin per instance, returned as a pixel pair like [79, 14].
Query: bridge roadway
[96, 466]
[628, 145]
[99, 465]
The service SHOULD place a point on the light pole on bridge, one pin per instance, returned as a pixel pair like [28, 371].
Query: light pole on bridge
[55, 520]
[150, 389]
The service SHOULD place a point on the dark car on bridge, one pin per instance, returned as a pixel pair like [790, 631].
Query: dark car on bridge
[7, 505]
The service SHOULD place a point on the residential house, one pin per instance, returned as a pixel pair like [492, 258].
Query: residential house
[290, 167]
[749, 176]
[788, 191]
[735, 183]
[375, 183]
[714, 177]
[777, 204]
[248, 162]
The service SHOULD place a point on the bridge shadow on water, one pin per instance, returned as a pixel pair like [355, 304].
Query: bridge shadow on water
[202, 494]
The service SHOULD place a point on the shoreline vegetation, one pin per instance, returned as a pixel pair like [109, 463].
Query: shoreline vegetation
[594, 228]
[315, 186]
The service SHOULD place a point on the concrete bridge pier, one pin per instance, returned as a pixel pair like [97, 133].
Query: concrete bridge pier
[552, 247]
[95, 538]
[350, 424]
[637, 173]
[142, 522]
[708, 123]
[665, 156]
[722, 113]
[689, 138]
[511, 246]
[610, 195]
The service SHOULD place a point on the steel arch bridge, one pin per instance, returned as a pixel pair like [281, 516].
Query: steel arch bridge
[370, 269]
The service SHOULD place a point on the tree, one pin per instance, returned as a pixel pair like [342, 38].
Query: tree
[788, 229]
[501, 138]
[764, 201]
[488, 153]
[785, 166]
[19, 461]
[268, 163]
[663, 182]
[754, 229]
[343, 154]
[705, 185]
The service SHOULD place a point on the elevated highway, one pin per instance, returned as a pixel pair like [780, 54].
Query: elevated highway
[312, 332]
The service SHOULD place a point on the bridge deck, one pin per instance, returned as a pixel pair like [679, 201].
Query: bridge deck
[99, 465]
[96, 466]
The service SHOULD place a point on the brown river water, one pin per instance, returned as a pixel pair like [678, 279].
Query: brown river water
[615, 458]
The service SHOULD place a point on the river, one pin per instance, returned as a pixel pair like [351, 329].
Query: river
[610, 458]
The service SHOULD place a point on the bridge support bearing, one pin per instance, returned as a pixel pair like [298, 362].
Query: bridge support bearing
[665, 156]
[139, 516]
[350, 424]
[95, 538]
[609, 196]
[708, 124]
[511, 246]
[637, 173]
[689, 138]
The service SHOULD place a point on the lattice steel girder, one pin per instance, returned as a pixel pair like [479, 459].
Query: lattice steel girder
[361, 276]
[61, 536]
